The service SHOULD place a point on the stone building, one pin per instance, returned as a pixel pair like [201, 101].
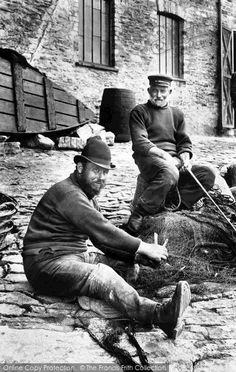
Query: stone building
[88, 45]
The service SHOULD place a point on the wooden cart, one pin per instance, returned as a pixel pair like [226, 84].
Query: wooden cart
[31, 103]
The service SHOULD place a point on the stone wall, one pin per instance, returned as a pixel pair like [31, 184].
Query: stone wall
[46, 33]
[229, 14]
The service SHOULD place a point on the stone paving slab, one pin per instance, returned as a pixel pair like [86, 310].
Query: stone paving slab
[45, 346]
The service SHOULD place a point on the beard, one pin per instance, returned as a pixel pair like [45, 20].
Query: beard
[157, 103]
[91, 188]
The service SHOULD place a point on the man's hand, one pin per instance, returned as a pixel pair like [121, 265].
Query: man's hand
[185, 159]
[153, 252]
[177, 162]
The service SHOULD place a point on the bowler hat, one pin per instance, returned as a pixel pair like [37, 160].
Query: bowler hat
[97, 152]
[160, 80]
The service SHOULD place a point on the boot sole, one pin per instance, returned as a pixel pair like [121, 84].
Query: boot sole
[184, 295]
[177, 330]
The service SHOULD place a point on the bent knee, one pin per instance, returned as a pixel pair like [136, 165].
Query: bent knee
[210, 174]
[207, 175]
[171, 174]
[104, 271]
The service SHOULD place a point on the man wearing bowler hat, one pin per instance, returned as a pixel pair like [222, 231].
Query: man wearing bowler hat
[162, 151]
[58, 262]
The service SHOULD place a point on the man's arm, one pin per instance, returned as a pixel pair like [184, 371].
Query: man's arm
[104, 235]
[161, 154]
[183, 142]
[82, 215]
[137, 123]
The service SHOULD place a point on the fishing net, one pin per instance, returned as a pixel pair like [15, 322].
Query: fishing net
[7, 209]
[201, 243]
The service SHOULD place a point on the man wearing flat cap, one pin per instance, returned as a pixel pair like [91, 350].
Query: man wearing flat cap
[56, 258]
[162, 151]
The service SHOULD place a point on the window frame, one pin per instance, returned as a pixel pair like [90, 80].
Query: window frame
[110, 65]
[177, 29]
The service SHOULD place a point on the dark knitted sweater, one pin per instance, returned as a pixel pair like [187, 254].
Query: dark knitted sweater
[162, 127]
[65, 218]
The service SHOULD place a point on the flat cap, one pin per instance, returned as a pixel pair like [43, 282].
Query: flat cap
[160, 80]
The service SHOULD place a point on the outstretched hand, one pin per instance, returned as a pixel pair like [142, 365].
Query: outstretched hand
[153, 253]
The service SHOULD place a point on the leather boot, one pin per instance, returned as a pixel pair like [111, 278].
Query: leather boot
[169, 316]
[135, 221]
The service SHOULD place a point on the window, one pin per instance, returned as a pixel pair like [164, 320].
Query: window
[96, 32]
[170, 45]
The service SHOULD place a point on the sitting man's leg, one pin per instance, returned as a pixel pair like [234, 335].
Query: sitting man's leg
[160, 177]
[189, 190]
[72, 276]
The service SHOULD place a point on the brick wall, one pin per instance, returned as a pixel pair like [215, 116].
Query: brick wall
[46, 33]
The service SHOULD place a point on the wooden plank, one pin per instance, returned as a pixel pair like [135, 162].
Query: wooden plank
[65, 108]
[33, 88]
[5, 66]
[6, 81]
[61, 126]
[50, 104]
[36, 114]
[75, 107]
[64, 127]
[226, 68]
[35, 126]
[220, 42]
[7, 123]
[19, 97]
[228, 103]
[7, 107]
[34, 101]
[81, 111]
[89, 114]
[55, 86]
[7, 93]
[33, 76]
[63, 96]
[66, 120]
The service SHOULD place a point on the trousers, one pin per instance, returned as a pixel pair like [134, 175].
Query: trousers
[161, 178]
[90, 274]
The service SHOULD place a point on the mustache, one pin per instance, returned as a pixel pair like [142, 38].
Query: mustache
[100, 182]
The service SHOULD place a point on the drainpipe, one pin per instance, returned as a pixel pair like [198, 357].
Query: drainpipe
[219, 67]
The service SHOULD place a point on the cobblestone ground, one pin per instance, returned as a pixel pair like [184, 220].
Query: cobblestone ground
[41, 329]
